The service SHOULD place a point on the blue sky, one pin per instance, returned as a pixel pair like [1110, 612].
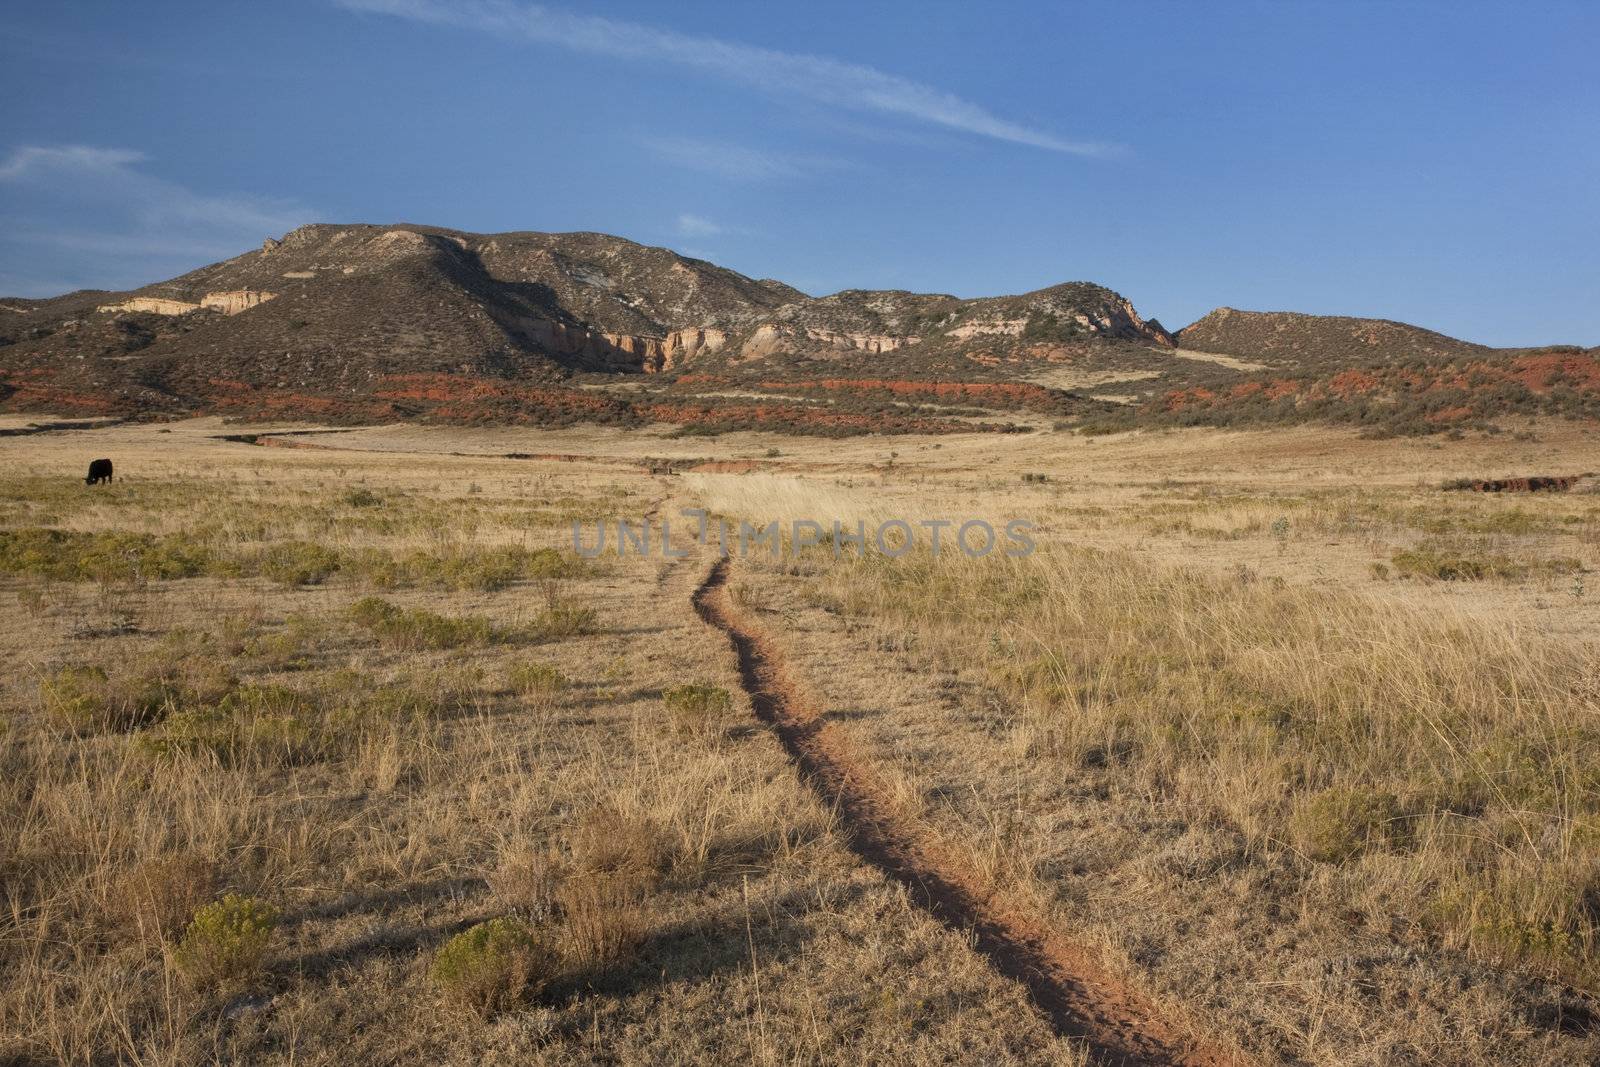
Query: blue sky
[1432, 162]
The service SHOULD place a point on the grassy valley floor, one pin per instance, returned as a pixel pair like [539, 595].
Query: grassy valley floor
[1288, 748]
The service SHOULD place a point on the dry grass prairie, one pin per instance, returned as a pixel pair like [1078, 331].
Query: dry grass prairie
[335, 749]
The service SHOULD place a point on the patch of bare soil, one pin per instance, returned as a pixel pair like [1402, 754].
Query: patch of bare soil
[1064, 981]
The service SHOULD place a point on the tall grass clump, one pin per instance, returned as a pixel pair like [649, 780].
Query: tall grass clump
[156, 899]
[538, 683]
[604, 922]
[526, 881]
[618, 859]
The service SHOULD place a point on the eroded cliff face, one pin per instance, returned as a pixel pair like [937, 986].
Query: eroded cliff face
[613, 305]
[875, 343]
[988, 328]
[235, 301]
[684, 345]
[626, 353]
[1124, 322]
[229, 303]
[773, 337]
[151, 305]
[1047, 313]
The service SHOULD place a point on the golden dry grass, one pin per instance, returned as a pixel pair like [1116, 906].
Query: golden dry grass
[1338, 813]
[382, 798]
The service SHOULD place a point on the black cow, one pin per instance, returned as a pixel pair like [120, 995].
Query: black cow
[99, 471]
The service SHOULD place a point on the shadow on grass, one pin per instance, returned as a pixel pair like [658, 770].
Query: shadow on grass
[718, 942]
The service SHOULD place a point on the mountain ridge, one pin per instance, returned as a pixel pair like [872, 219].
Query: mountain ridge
[368, 321]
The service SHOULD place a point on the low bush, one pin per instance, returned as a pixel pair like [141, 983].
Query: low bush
[564, 620]
[537, 683]
[480, 569]
[230, 741]
[697, 709]
[415, 629]
[70, 555]
[191, 660]
[76, 556]
[362, 497]
[297, 563]
[224, 947]
[397, 702]
[74, 697]
[376, 568]
[290, 648]
[1554, 927]
[86, 699]
[493, 966]
[254, 723]
[373, 612]
[483, 571]
[1338, 824]
[1446, 564]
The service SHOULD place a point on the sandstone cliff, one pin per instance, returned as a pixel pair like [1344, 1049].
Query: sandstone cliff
[229, 303]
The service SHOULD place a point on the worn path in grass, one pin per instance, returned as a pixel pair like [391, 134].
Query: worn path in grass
[1064, 981]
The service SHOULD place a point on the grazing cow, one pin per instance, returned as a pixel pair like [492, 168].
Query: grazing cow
[99, 471]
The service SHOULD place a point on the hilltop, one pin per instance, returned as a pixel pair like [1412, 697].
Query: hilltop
[1319, 341]
[1391, 376]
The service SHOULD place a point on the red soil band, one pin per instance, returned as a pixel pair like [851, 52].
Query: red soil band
[1540, 373]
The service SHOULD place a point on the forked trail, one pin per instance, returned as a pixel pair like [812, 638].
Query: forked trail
[1065, 983]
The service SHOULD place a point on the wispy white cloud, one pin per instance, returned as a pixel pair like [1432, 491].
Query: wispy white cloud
[691, 225]
[698, 226]
[737, 162]
[851, 86]
[92, 215]
[37, 159]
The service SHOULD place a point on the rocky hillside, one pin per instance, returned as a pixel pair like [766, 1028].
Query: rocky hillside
[342, 323]
[363, 320]
[1287, 338]
[1390, 377]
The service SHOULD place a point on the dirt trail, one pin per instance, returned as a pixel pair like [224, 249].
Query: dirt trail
[1064, 981]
